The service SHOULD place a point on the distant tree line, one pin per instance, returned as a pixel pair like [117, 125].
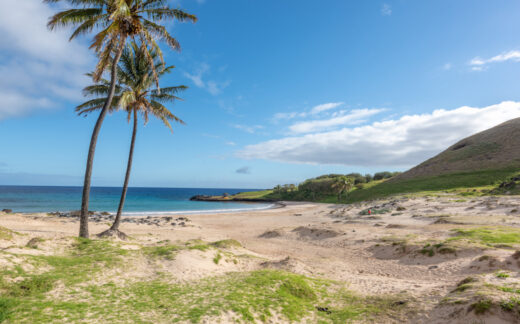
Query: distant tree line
[328, 185]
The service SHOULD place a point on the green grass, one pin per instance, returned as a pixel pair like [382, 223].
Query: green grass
[5, 234]
[253, 194]
[83, 261]
[443, 182]
[502, 275]
[226, 244]
[482, 306]
[168, 251]
[217, 258]
[491, 236]
[252, 296]
[510, 304]
[431, 249]
[162, 251]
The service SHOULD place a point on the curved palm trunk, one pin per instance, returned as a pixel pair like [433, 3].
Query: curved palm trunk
[117, 221]
[83, 219]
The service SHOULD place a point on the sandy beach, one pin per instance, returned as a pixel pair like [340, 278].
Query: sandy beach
[393, 253]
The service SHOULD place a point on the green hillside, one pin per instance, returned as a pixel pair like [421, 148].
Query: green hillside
[463, 182]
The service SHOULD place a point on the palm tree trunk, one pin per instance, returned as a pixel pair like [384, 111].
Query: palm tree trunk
[83, 219]
[117, 221]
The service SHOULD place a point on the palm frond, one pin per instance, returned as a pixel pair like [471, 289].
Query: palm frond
[168, 13]
[88, 25]
[161, 33]
[73, 17]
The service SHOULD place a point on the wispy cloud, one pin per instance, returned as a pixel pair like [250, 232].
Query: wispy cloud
[243, 170]
[386, 9]
[248, 129]
[480, 64]
[343, 118]
[38, 67]
[324, 107]
[313, 111]
[211, 86]
[401, 142]
[447, 67]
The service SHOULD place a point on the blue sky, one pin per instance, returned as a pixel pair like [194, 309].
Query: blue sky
[279, 91]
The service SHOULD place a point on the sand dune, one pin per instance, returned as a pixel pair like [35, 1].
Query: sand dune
[407, 247]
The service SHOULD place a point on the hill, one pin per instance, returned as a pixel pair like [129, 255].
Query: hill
[495, 148]
[476, 165]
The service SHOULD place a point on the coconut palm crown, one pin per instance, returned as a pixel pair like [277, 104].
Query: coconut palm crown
[118, 20]
[135, 89]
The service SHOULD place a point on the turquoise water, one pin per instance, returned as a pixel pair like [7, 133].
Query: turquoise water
[139, 201]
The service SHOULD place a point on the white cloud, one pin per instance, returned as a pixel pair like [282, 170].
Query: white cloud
[37, 66]
[447, 66]
[314, 111]
[386, 10]
[248, 129]
[402, 142]
[290, 115]
[211, 86]
[479, 64]
[324, 107]
[353, 117]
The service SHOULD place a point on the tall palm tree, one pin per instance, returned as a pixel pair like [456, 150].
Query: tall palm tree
[117, 21]
[134, 95]
[342, 184]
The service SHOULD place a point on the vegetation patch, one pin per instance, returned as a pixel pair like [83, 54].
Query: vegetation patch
[511, 304]
[33, 243]
[226, 244]
[6, 234]
[481, 306]
[477, 180]
[217, 258]
[254, 296]
[502, 275]
[490, 236]
[162, 251]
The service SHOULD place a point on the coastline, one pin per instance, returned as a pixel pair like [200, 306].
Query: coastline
[228, 199]
[73, 214]
[272, 205]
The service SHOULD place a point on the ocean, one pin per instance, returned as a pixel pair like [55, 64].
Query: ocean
[139, 201]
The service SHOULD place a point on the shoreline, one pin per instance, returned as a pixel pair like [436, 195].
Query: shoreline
[71, 214]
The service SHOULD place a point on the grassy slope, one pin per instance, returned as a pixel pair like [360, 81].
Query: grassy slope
[485, 179]
[443, 182]
[253, 194]
[64, 290]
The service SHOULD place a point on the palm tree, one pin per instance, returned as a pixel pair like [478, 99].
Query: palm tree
[342, 184]
[117, 21]
[134, 95]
